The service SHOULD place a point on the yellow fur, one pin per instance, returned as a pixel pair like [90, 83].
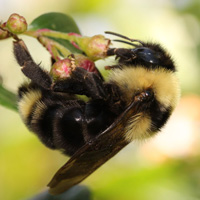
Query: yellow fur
[27, 102]
[164, 84]
[39, 109]
[138, 127]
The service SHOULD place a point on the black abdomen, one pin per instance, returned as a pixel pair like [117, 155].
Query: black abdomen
[61, 121]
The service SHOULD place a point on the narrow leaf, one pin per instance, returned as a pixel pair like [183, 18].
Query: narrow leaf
[8, 99]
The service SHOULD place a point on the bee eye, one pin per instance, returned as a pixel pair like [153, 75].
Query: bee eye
[147, 55]
[148, 93]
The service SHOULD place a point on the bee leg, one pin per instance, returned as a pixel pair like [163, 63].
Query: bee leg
[82, 82]
[119, 52]
[144, 96]
[29, 67]
[110, 67]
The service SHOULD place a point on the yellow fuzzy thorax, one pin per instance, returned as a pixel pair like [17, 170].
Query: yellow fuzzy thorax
[164, 83]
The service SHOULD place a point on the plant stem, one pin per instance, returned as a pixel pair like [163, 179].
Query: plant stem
[55, 34]
[55, 49]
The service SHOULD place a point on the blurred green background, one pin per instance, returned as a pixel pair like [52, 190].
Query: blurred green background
[165, 167]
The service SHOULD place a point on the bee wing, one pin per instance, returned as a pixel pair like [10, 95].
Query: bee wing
[92, 155]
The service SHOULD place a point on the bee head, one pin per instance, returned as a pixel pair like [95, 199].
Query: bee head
[148, 55]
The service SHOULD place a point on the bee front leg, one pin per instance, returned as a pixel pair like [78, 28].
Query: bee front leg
[33, 71]
[82, 82]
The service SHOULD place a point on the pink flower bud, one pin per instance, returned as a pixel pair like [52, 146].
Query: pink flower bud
[61, 69]
[16, 24]
[94, 47]
[85, 62]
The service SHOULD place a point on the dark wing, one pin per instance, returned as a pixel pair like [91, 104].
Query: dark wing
[92, 155]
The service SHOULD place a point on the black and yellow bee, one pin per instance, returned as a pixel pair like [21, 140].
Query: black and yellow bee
[134, 103]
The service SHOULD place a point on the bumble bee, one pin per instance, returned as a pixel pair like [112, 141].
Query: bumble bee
[134, 103]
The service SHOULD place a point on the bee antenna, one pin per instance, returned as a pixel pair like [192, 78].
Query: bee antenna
[122, 36]
[132, 44]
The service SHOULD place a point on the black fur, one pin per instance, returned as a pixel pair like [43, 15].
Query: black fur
[65, 122]
[150, 56]
[82, 82]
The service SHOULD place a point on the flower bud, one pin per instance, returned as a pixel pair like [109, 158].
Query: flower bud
[94, 47]
[16, 24]
[85, 62]
[62, 69]
[4, 34]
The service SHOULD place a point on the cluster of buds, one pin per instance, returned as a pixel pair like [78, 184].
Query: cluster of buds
[62, 68]
[94, 48]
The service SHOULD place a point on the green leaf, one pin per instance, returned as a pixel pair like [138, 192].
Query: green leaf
[77, 192]
[57, 22]
[8, 99]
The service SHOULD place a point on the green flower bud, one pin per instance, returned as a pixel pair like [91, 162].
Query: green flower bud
[16, 24]
[3, 34]
[94, 47]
